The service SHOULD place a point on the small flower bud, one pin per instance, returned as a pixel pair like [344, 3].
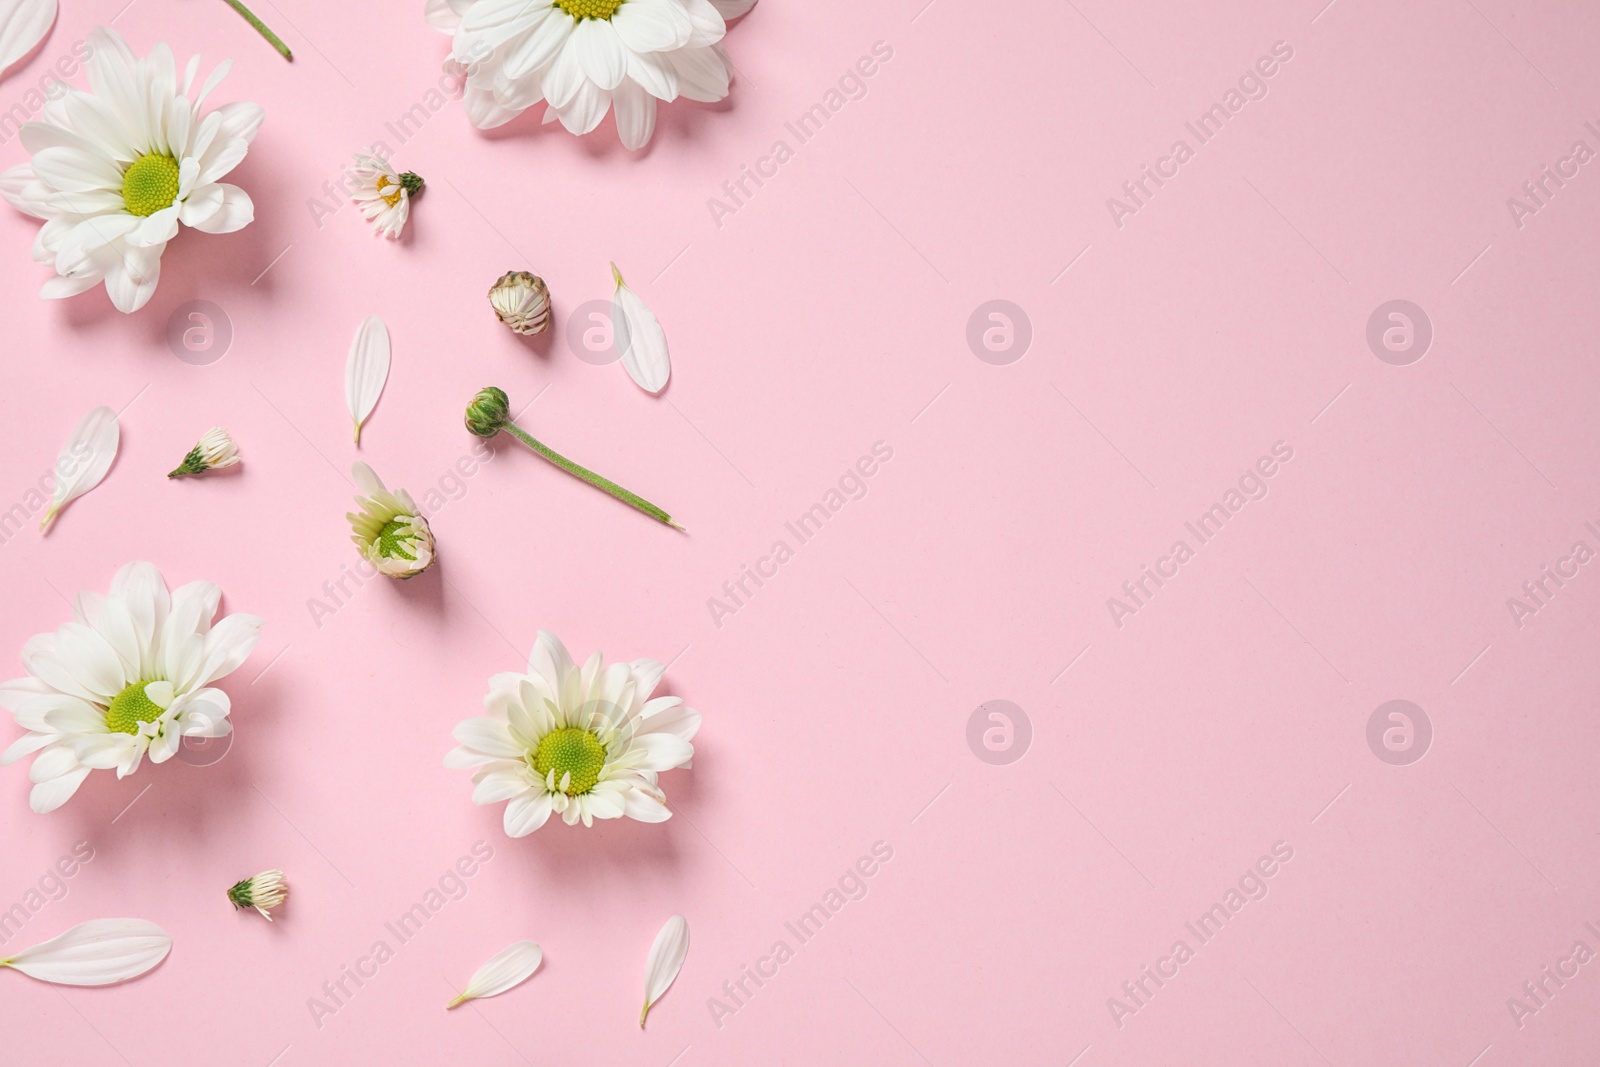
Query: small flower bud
[488, 412]
[264, 892]
[521, 301]
[216, 449]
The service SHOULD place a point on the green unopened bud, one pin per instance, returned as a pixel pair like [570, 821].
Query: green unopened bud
[488, 412]
[411, 182]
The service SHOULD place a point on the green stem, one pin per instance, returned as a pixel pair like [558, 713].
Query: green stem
[631, 499]
[261, 28]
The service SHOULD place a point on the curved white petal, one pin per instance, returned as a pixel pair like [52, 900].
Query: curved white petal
[507, 970]
[667, 954]
[85, 459]
[640, 337]
[366, 370]
[23, 24]
[98, 952]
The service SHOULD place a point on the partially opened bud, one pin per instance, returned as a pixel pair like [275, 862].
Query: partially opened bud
[389, 530]
[521, 301]
[264, 892]
[216, 449]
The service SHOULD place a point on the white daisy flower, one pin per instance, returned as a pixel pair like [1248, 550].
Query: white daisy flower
[115, 170]
[215, 450]
[264, 892]
[584, 743]
[389, 530]
[584, 57]
[384, 196]
[130, 674]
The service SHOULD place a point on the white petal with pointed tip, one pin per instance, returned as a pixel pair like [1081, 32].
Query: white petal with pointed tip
[84, 459]
[23, 24]
[666, 959]
[98, 952]
[507, 970]
[367, 370]
[640, 337]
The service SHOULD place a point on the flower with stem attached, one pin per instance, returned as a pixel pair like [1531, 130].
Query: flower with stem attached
[389, 530]
[215, 450]
[490, 412]
[263, 892]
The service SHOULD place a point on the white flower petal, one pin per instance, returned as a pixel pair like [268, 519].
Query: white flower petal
[732, 9]
[636, 114]
[23, 24]
[666, 959]
[640, 338]
[508, 969]
[366, 370]
[84, 459]
[98, 952]
[527, 813]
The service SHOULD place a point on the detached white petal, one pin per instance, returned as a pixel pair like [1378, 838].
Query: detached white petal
[666, 959]
[98, 952]
[506, 971]
[23, 24]
[640, 337]
[84, 459]
[366, 370]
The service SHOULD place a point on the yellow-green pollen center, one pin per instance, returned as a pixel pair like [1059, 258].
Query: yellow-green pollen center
[150, 184]
[574, 751]
[131, 707]
[590, 9]
[394, 539]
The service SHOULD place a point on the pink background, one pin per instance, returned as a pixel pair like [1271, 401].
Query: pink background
[828, 313]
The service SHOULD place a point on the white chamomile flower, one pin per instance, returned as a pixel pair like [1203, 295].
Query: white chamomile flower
[384, 196]
[130, 674]
[264, 892]
[116, 169]
[584, 57]
[389, 530]
[583, 743]
[215, 450]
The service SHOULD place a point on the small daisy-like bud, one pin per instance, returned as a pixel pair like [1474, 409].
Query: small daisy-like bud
[521, 301]
[389, 531]
[488, 412]
[263, 892]
[216, 449]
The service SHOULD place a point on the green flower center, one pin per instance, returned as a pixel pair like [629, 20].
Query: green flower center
[131, 707]
[590, 9]
[393, 539]
[574, 751]
[150, 185]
